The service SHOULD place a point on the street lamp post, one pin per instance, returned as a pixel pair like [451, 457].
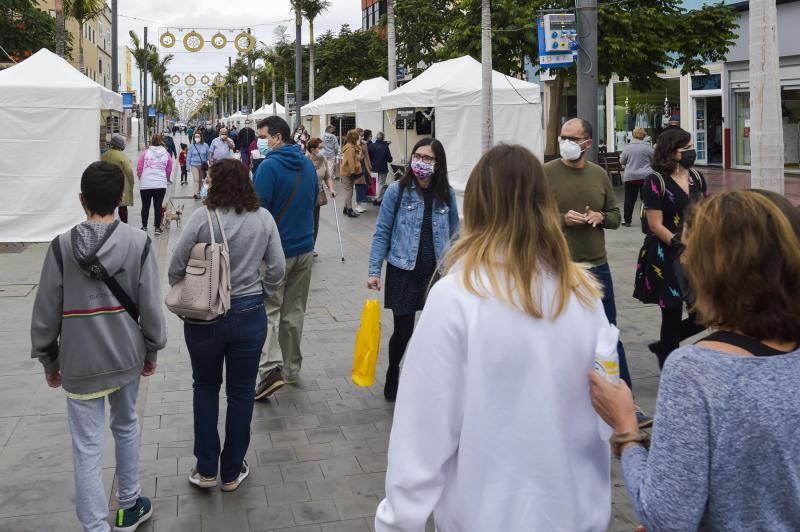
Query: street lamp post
[298, 62]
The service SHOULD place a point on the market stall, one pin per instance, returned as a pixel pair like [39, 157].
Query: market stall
[51, 116]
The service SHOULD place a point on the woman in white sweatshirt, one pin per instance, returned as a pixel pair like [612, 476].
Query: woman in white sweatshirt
[154, 170]
[494, 428]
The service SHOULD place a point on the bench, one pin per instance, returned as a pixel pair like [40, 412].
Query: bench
[610, 163]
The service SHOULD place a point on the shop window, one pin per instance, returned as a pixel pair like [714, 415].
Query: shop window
[652, 111]
[790, 117]
[706, 82]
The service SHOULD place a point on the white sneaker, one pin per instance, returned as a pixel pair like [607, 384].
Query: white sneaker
[359, 209]
[233, 485]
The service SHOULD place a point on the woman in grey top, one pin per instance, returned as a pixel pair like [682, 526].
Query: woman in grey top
[725, 452]
[236, 339]
[635, 158]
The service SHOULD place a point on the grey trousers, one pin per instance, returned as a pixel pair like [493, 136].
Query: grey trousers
[286, 313]
[87, 427]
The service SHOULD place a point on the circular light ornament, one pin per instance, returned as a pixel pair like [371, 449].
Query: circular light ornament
[245, 42]
[190, 93]
[179, 92]
[219, 80]
[190, 80]
[167, 40]
[193, 41]
[175, 79]
[219, 41]
[205, 80]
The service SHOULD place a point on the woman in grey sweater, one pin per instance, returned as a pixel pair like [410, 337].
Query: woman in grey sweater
[235, 340]
[725, 452]
[635, 158]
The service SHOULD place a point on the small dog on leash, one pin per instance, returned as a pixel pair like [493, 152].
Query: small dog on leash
[174, 213]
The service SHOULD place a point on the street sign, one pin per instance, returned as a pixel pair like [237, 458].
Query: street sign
[151, 111]
[558, 40]
[290, 99]
[245, 110]
[340, 116]
[406, 113]
[127, 100]
[401, 71]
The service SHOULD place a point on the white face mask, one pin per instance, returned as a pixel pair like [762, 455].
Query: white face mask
[197, 140]
[570, 150]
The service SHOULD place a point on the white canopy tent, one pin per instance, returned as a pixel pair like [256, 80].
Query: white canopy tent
[453, 89]
[236, 119]
[311, 111]
[364, 101]
[51, 116]
[265, 111]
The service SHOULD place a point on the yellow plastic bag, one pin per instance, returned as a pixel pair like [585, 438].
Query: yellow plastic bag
[368, 341]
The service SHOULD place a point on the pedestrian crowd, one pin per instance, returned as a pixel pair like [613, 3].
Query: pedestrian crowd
[514, 392]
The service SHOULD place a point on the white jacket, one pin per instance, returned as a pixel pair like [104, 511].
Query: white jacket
[155, 168]
[494, 428]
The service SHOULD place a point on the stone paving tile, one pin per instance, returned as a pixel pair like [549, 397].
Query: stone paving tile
[270, 518]
[225, 522]
[306, 513]
[302, 471]
[288, 493]
[353, 525]
[340, 467]
[200, 501]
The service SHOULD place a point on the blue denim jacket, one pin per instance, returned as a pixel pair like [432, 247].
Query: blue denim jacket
[397, 240]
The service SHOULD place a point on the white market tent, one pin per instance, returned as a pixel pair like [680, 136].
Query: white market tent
[453, 89]
[265, 111]
[364, 100]
[311, 109]
[237, 119]
[51, 117]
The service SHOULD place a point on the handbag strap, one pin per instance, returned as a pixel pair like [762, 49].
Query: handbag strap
[221, 228]
[198, 153]
[291, 196]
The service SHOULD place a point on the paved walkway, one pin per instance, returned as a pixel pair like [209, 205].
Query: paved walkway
[318, 452]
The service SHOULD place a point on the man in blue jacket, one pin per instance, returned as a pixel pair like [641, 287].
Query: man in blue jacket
[286, 181]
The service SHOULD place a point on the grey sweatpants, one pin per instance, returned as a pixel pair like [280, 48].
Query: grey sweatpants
[87, 427]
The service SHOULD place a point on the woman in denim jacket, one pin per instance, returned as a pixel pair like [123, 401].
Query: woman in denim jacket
[417, 220]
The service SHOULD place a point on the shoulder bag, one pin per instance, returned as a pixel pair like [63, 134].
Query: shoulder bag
[203, 164]
[204, 293]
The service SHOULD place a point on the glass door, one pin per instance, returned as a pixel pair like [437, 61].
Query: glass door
[700, 131]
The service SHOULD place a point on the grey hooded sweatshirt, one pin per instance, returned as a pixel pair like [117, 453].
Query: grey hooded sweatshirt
[79, 327]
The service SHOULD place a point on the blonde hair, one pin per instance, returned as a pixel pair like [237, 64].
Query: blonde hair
[512, 233]
[639, 133]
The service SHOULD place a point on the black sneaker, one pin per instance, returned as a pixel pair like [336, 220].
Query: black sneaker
[158, 231]
[129, 520]
[270, 384]
[234, 484]
[144, 229]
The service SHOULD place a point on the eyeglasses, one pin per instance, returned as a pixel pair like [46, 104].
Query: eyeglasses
[423, 158]
[573, 139]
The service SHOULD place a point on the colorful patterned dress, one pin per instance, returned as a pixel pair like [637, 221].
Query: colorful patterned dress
[656, 281]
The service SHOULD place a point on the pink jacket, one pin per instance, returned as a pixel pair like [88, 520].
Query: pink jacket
[154, 168]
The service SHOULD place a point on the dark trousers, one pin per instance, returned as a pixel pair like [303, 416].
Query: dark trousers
[675, 329]
[361, 193]
[632, 190]
[236, 341]
[316, 222]
[156, 196]
[184, 174]
[123, 213]
[403, 329]
[603, 274]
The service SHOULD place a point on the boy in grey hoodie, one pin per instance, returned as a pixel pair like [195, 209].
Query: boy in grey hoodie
[97, 326]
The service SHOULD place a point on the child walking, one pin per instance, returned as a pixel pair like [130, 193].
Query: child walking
[97, 326]
[182, 162]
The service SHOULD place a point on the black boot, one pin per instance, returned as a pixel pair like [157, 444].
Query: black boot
[392, 381]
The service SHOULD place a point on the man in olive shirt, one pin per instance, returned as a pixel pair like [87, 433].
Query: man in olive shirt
[588, 207]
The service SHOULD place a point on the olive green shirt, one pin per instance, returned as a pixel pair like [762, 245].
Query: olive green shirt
[119, 158]
[575, 189]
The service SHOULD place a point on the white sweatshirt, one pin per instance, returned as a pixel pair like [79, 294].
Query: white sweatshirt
[154, 167]
[494, 428]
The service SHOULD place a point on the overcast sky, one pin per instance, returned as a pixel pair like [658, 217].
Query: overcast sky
[260, 15]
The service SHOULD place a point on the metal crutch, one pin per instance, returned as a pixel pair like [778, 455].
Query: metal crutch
[338, 228]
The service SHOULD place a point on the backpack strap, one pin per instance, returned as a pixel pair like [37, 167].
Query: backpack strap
[661, 182]
[697, 176]
[55, 245]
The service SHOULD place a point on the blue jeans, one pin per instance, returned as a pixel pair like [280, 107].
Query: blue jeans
[237, 341]
[361, 193]
[603, 274]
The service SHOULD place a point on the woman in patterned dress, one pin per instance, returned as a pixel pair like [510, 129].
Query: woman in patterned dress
[666, 194]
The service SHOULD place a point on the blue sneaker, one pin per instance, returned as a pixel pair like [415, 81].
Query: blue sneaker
[130, 519]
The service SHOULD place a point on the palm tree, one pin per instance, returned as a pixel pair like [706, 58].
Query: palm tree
[392, 42]
[83, 11]
[311, 10]
[60, 36]
[486, 81]
[271, 60]
[285, 55]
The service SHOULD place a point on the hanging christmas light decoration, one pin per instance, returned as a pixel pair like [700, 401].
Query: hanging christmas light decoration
[190, 80]
[245, 42]
[167, 39]
[219, 41]
[190, 93]
[193, 41]
[205, 80]
[176, 79]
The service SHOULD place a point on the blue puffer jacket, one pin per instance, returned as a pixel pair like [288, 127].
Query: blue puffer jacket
[397, 238]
